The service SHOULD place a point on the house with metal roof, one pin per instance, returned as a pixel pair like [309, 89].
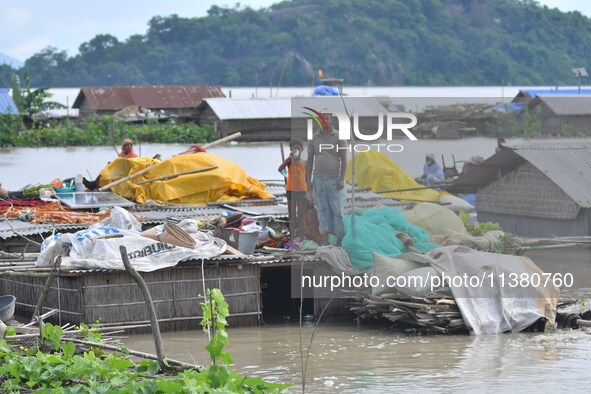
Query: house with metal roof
[563, 114]
[527, 95]
[7, 105]
[534, 189]
[181, 101]
[278, 119]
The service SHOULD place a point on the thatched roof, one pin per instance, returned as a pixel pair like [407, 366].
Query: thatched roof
[527, 191]
[567, 165]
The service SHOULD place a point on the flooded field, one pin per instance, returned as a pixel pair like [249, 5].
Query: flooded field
[22, 166]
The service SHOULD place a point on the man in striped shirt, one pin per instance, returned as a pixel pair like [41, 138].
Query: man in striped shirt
[325, 177]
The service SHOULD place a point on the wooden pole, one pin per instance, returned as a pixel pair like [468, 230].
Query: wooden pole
[413, 188]
[149, 356]
[177, 175]
[282, 160]
[43, 296]
[125, 179]
[149, 305]
[222, 140]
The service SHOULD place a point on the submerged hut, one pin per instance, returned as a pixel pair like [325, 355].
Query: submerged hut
[535, 189]
[181, 101]
[280, 119]
[563, 114]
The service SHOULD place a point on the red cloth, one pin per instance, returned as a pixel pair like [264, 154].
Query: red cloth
[27, 202]
[131, 155]
[193, 149]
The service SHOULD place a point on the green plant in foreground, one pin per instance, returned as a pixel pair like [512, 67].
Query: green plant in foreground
[62, 368]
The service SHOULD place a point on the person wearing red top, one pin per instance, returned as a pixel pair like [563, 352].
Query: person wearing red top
[296, 188]
[127, 149]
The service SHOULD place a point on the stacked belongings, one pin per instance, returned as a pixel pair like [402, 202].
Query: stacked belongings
[184, 179]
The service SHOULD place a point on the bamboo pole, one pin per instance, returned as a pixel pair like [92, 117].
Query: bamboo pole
[43, 296]
[125, 179]
[410, 189]
[149, 305]
[177, 175]
[222, 140]
[149, 356]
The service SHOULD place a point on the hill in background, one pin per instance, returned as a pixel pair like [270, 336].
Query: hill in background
[366, 42]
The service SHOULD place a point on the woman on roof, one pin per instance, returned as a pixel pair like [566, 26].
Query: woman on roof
[127, 149]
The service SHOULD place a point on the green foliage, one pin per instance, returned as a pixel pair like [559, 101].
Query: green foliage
[64, 369]
[478, 229]
[215, 312]
[96, 131]
[30, 102]
[527, 125]
[366, 42]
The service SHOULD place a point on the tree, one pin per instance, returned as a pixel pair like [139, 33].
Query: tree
[31, 102]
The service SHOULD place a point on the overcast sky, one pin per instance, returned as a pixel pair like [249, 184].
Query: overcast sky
[28, 26]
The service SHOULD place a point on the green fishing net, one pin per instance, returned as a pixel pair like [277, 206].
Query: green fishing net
[375, 231]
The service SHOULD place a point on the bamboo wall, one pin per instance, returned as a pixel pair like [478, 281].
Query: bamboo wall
[114, 298]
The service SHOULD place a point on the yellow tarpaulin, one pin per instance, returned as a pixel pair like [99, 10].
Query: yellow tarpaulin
[227, 182]
[378, 172]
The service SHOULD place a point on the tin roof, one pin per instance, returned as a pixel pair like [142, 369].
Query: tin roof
[565, 104]
[229, 109]
[568, 165]
[7, 105]
[152, 97]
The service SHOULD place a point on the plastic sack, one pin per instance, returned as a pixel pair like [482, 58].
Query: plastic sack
[436, 220]
[119, 218]
[495, 306]
[456, 204]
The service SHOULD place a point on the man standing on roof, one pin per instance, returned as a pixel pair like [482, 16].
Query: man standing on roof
[325, 177]
[127, 149]
[432, 171]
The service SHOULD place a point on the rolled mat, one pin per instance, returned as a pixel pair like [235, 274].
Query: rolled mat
[171, 234]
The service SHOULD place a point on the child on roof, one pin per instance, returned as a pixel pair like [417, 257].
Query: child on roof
[297, 190]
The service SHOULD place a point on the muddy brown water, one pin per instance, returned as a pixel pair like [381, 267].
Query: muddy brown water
[21, 166]
[348, 358]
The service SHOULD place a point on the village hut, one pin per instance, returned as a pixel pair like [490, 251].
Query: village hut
[563, 114]
[534, 189]
[528, 95]
[256, 119]
[181, 101]
[282, 119]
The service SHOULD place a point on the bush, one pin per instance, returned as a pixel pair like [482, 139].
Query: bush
[100, 131]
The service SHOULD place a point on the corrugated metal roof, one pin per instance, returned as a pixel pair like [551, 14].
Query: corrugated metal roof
[568, 165]
[565, 104]
[152, 97]
[27, 229]
[7, 105]
[228, 109]
[532, 93]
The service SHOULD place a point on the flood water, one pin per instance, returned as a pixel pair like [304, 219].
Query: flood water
[377, 359]
[22, 166]
[345, 357]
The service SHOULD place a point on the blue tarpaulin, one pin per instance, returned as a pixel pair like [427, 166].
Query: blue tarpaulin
[7, 105]
[324, 90]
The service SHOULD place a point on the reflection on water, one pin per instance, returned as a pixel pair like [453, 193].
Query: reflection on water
[366, 360]
[21, 166]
